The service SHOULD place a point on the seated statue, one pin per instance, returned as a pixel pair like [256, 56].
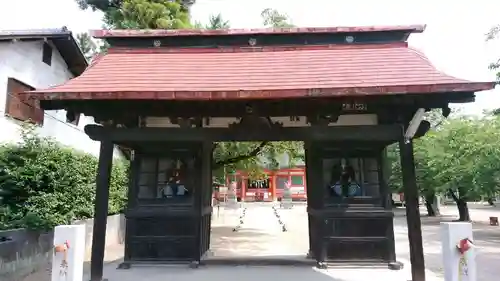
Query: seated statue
[175, 186]
[344, 183]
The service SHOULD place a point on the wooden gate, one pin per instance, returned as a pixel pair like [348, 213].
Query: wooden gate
[350, 215]
[169, 209]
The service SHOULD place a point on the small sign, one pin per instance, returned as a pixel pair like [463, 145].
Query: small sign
[354, 106]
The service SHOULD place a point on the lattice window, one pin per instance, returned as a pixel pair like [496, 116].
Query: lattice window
[165, 178]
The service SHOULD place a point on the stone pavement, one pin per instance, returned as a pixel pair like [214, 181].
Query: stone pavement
[478, 213]
[486, 237]
[253, 273]
[261, 236]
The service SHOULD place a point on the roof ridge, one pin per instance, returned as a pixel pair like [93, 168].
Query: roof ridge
[417, 28]
[245, 49]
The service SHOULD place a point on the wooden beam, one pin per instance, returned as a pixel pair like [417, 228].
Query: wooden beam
[101, 210]
[412, 210]
[380, 133]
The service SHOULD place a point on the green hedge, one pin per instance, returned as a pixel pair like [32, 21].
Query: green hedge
[44, 184]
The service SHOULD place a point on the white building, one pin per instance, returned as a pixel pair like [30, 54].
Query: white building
[34, 59]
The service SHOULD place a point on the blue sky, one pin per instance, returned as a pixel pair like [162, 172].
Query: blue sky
[454, 39]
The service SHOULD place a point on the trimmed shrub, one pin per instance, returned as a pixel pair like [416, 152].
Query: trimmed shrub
[44, 184]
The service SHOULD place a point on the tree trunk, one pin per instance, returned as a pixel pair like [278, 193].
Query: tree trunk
[429, 207]
[491, 202]
[463, 209]
[432, 206]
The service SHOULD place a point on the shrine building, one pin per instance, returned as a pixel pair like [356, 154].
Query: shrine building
[346, 92]
[270, 187]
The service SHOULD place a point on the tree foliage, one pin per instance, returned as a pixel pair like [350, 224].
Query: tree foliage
[44, 184]
[254, 156]
[87, 45]
[141, 14]
[214, 22]
[217, 22]
[491, 35]
[459, 159]
[273, 18]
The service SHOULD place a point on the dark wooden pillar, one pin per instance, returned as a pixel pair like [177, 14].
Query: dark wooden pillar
[203, 189]
[101, 210]
[133, 173]
[385, 191]
[309, 192]
[385, 194]
[315, 202]
[412, 210]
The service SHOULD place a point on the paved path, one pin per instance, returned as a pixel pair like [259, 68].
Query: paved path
[255, 273]
[478, 213]
[261, 235]
[487, 239]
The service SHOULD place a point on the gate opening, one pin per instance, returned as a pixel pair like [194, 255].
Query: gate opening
[260, 210]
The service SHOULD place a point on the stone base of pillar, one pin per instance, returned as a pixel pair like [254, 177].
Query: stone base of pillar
[395, 265]
[309, 255]
[124, 265]
[321, 265]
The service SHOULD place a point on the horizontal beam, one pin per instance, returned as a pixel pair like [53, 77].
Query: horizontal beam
[377, 133]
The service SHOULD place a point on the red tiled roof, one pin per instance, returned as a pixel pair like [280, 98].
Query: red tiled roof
[263, 72]
[254, 31]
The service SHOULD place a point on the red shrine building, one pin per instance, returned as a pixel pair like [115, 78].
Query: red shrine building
[170, 96]
[271, 186]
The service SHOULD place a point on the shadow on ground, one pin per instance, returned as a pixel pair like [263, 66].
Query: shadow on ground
[249, 273]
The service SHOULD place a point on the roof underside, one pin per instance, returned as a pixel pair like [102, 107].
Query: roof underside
[62, 39]
[258, 72]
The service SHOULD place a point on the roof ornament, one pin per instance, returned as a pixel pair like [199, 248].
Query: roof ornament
[252, 42]
[156, 43]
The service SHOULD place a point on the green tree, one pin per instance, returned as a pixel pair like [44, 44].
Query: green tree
[424, 173]
[491, 35]
[217, 22]
[253, 156]
[273, 18]
[142, 14]
[464, 161]
[214, 22]
[87, 45]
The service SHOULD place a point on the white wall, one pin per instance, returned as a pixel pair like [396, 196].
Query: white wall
[23, 61]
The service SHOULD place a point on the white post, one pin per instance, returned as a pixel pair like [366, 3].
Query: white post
[457, 266]
[69, 253]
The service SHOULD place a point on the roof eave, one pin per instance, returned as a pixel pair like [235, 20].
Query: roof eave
[51, 95]
[62, 39]
[145, 33]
